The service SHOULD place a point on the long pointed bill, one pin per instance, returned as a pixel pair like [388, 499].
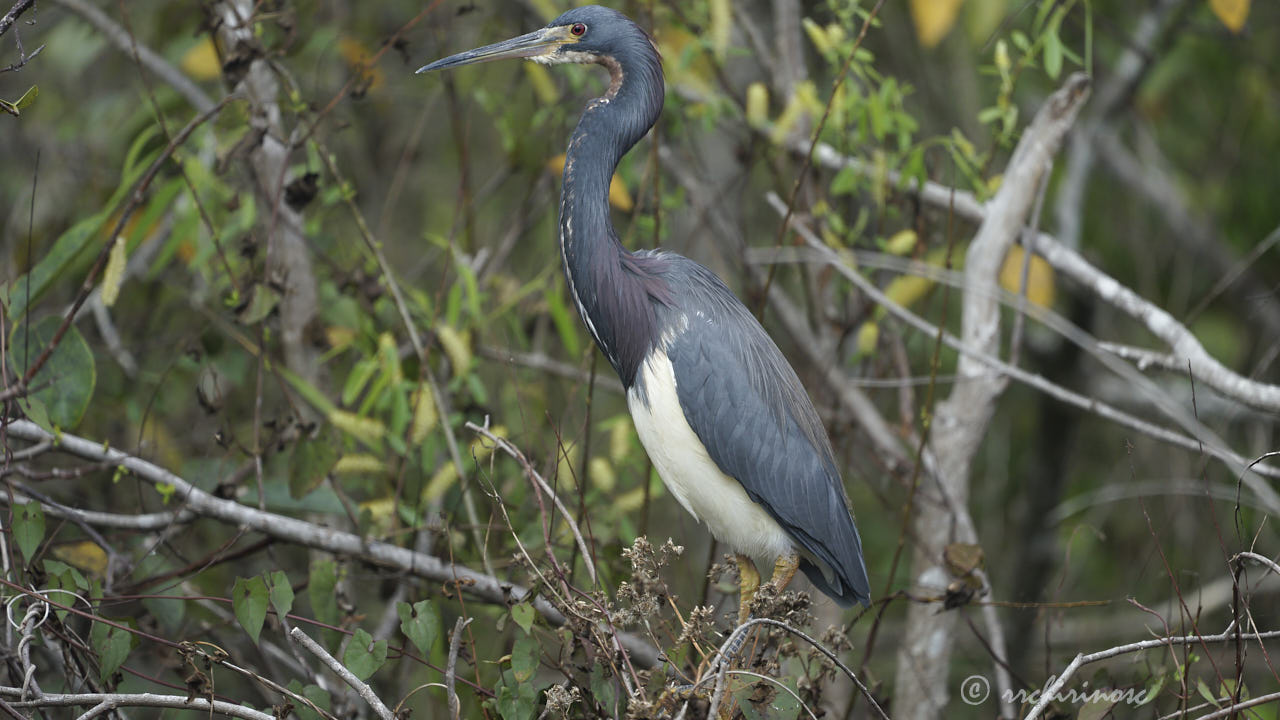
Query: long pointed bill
[534, 44]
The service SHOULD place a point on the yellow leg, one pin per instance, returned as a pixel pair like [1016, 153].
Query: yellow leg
[784, 569]
[749, 583]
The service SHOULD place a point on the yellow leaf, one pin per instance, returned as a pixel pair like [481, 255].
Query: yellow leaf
[1232, 13]
[389, 357]
[358, 465]
[757, 104]
[795, 109]
[201, 61]
[1040, 284]
[817, 35]
[457, 345]
[933, 19]
[628, 502]
[902, 243]
[339, 337]
[693, 71]
[360, 60]
[482, 446]
[601, 474]
[835, 34]
[868, 337]
[982, 17]
[570, 459]
[366, 430]
[382, 513]
[620, 439]
[543, 86]
[425, 416]
[906, 290]
[113, 276]
[721, 27]
[444, 479]
[83, 555]
[619, 197]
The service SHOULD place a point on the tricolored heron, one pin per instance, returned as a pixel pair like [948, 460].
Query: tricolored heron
[722, 415]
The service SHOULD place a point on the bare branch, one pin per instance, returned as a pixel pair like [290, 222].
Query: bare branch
[111, 701]
[1081, 660]
[9, 18]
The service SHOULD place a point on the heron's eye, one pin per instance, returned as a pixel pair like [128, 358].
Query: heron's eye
[578, 30]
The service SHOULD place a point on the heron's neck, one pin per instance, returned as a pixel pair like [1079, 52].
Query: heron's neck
[604, 278]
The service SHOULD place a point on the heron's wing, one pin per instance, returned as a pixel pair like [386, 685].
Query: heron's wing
[746, 405]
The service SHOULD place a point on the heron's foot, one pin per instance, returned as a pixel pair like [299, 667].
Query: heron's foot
[784, 569]
[771, 598]
[748, 584]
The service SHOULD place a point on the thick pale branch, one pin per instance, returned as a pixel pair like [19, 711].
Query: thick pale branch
[960, 422]
[282, 527]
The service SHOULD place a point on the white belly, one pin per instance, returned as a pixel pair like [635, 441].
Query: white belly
[689, 472]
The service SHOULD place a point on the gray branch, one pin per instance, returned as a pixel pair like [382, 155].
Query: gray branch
[110, 701]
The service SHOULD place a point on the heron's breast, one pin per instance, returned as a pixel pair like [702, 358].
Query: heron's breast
[688, 470]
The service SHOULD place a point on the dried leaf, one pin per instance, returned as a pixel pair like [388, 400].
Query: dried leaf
[1232, 13]
[933, 19]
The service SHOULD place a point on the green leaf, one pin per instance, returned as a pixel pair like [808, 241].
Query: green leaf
[360, 375]
[68, 250]
[524, 658]
[65, 382]
[281, 593]
[1053, 53]
[37, 413]
[321, 589]
[169, 611]
[523, 614]
[1206, 693]
[846, 181]
[516, 700]
[315, 694]
[112, 644]
[565, 326]
[602, 688]
[249, 598]
[62, 576]
[263, 301]
[28, 528]
[364, 656]
[27, 98]
[420, 623]
[313, 460]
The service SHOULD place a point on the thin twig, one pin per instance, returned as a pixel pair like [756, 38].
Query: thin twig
[533, 474]
[720, 665]
[450, 672]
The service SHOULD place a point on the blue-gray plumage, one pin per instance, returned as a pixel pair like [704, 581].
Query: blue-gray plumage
[720, 412]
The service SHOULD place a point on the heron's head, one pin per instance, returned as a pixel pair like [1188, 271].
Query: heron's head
[588, 34]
